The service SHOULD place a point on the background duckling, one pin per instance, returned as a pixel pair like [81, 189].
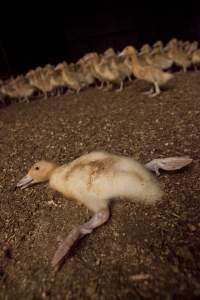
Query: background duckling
[196, 59]
[24, 90]
[18, 88]
[191, 47]
[121, 64]
[147, 73]
[40, 79]
[69, 77]
[91, 59]
[96, 178]
[144, 55]
[57, 81]
[84, 73]
[178, 55]
[160, 59]
[101, 70]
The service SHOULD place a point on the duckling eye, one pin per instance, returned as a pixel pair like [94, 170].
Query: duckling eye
[36, 168]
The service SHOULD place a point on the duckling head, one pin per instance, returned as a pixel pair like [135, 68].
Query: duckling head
[145, 49]
[109, 52]
[129, 50]
[158, 44]
[41, 171]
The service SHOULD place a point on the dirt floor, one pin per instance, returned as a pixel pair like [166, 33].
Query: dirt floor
[142, 252]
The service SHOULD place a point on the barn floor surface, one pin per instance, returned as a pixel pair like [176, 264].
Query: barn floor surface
[142, 252]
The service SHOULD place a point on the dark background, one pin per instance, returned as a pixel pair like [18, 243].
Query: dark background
[30, 37]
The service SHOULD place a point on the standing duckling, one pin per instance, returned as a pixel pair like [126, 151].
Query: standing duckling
[96, 178]
[180, 57]
[196, 59]
[147, 73]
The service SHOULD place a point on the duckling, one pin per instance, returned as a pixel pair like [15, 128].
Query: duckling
[196, 59]
[23, 89]
[179, 57]
[57, 82]
[18, 88]
[191, 48]
[84, 73]
[112, 69]
[146, 48]
[40, 79]
[94, 60]
[121, 64]
[144, 55]
[95, 179]
[8, 90]
[69, 77]
[147, 73]
[159, 59]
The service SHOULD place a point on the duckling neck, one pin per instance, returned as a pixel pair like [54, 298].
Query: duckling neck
[52, 170]
[135, 64]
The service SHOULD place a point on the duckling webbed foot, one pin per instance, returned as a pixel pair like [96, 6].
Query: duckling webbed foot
[120, 89]
[100, 87]
[150, 92]
[168, 164]
[79, 232]
[157, 90]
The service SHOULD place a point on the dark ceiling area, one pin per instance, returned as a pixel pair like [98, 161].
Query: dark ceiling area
[66, 34]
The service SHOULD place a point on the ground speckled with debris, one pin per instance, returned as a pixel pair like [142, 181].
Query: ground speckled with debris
[142, 252]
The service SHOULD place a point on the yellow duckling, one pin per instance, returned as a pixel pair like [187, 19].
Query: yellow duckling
[24, 90]
[92, 59]
[40, 79]
[101, 70]
[84, 73]
[18, 88]
[94, 180]
[121, 65]
[147, 73]
[69, 77]
[144, 55]
[189, 49]
[196, 59]
[159, 59]
[178, 55]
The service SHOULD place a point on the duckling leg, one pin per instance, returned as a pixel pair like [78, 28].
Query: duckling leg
[78, 90]
[157, 90]
[195, 68]
[79, 232]
[168, 164]
[129, 78]
[26, 99]
[45, 95]
[108, 86]
[101, 86]
[121, 87]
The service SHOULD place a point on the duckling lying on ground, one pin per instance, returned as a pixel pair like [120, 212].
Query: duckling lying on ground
[94, 180]
[147, 73]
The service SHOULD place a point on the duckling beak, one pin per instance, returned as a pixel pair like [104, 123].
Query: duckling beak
[121, 53]
[25, 182]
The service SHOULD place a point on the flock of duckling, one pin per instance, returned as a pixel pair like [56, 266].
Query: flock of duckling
[105, 70]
